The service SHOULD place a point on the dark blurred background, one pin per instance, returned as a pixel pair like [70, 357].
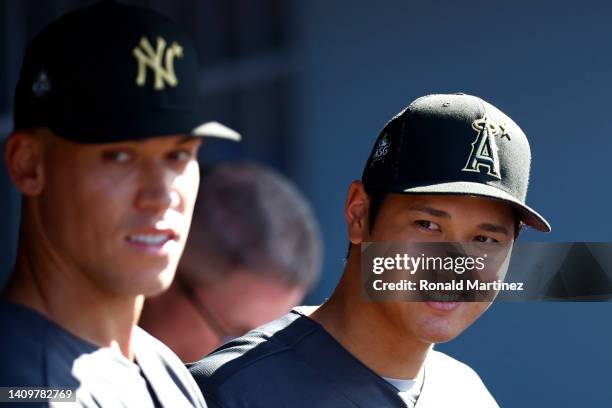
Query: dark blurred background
[309, 83]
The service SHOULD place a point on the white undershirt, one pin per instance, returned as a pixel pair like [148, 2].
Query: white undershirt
[408, 390]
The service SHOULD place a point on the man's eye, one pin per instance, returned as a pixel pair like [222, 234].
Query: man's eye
[181, 155]
[432, 226]
[484, 239]
[117, 156]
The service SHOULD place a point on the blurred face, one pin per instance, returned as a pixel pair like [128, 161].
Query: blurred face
[120, 212]
[438, 218]
[245, 301]
[215, 313]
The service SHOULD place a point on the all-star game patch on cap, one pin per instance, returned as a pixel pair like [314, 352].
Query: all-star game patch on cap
[112, 72]
[453, 144]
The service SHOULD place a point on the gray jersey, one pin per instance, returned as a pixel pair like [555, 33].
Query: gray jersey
[34, 351]
[293, 362]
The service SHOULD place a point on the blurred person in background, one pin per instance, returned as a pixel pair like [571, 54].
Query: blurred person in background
[253, 252]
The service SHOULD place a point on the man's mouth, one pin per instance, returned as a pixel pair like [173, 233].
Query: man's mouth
[443, 306]
[156, 242]
[149, 239]
[437, 296]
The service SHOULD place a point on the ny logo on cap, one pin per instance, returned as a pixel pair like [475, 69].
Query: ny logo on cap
[484, 148]
[147, 57]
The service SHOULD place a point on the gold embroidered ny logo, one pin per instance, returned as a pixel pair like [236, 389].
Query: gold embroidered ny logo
[148, 57]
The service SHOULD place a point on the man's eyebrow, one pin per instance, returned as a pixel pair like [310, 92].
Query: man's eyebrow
[429, 210]
[494, 228]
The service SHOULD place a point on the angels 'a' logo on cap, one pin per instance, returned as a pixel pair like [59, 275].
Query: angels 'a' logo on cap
[146, 56]
[483, 155]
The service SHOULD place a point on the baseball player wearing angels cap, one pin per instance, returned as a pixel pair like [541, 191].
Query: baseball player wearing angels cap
[104, 154]
[448, 168]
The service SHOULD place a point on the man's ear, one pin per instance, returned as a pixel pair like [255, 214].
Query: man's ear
[356, 212]
[24, 158]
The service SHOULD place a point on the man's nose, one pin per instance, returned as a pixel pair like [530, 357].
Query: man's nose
[156, 193]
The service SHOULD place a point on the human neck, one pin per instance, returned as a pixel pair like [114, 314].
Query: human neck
[171, 312]
[363, 329]
[66, 296]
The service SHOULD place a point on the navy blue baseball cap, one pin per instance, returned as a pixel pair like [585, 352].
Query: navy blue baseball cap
[112, 72]
[454, 144]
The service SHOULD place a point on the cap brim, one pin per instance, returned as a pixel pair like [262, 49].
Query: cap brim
[142, 127]
[216, 129]
[528, 215]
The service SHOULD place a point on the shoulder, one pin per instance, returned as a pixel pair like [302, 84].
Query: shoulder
[258, 364]
[22, 345]
[156, 359]
[449, 366]
[457, 379]
[260, 344]
[36, 351]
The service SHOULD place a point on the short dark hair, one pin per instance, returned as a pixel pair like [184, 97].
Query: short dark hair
[251, 218]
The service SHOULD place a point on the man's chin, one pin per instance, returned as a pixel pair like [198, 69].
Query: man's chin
[440, 338]
[159, 285]
[439, 333]
[149, 282]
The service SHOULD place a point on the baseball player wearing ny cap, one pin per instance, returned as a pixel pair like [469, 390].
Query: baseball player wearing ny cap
[104, 154]
[447, 168]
